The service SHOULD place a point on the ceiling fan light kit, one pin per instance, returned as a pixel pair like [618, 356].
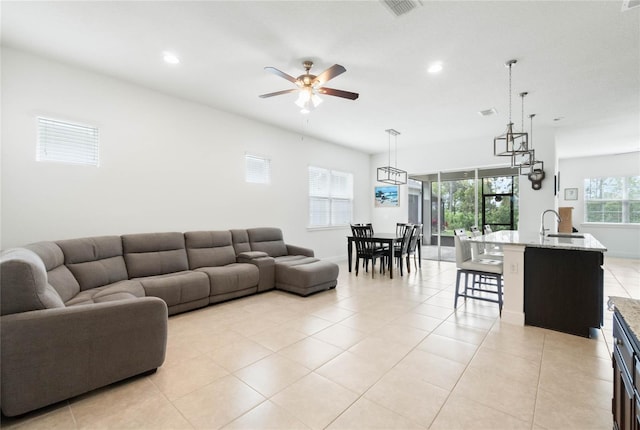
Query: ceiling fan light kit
[391, 174]
[310, 86]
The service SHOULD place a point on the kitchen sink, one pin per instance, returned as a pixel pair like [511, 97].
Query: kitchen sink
[566, 235]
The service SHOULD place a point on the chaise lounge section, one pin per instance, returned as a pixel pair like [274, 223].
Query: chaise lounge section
[296, 268]
[80, 314]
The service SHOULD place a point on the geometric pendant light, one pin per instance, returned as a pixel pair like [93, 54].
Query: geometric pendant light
[527, 160]
[391, 174]
[534, 169]
[510, 143]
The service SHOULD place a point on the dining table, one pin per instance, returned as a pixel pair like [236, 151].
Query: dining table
[388, 239]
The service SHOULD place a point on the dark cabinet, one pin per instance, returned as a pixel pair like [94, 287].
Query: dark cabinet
[624, 417]
[563, 289]
[626, 371]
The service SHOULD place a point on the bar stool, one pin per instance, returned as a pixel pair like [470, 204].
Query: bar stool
[486, 275]
[481, 251]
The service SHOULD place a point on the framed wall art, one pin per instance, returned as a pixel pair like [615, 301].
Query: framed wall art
[387, 196]
[571, 194]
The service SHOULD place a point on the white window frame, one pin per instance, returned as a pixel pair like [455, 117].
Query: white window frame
[625, 200]
[67, 142]
[334, 193]
[257, 169]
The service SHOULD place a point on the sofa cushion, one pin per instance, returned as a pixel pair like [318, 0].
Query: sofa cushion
[94, 261]
[240, 240]
[232, 277]
[209, 248]
[267, 239]
[24, 284]
[150, 254]
[293, 258]
[177, 288]
[119, 291]
[58, 275]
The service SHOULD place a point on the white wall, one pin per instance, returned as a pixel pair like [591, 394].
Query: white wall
[620, 240]
[166, 164]
[468, 155]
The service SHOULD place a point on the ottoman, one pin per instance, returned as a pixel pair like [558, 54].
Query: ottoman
[305, 275]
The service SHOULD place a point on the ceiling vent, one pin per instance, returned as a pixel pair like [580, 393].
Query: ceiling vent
[400, 7]
[488, 112]
[630, 4]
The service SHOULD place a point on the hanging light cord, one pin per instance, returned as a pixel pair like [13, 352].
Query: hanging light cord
[510, 92]
[531, 128]
[395, 136]
[389, 159]
[522, 119]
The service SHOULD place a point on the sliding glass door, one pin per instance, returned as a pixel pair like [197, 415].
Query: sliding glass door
[500, 202]
[461, 199]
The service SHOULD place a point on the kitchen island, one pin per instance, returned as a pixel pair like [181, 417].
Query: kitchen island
[551, 281]
[626, 365]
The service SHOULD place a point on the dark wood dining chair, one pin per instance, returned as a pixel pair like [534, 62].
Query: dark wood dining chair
[402, 252]
[366, 249]
[401, 229]
[413, 244]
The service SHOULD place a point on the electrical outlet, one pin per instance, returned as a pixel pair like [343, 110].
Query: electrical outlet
[513, 267]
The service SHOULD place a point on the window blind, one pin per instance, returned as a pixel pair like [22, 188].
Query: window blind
[258, 169]
[612, 200]
[330, 197]
[67, 142]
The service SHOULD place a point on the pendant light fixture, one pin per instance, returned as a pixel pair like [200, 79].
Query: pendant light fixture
[388, 174]
[510, 143]
[537, 174]
[534, 169]
[527, 160]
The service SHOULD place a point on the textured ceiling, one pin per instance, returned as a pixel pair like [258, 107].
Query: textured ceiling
[578, 60]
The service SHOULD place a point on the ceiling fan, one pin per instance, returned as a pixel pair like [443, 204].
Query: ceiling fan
[309, 86]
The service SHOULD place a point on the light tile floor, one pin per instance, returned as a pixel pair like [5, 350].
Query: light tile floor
[373, 353]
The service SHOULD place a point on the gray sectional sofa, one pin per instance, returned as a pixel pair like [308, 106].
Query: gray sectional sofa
[80, 314]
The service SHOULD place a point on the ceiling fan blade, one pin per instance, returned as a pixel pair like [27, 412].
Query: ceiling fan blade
[281, 74]
[277, 93]
[330, 73]
[338, 93]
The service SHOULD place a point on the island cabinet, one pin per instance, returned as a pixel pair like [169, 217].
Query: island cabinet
[626, 377]
[563, 289]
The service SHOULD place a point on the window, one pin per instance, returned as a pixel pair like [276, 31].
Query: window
[330, 197]
[612, 200]
[66, 142]
[258, 169]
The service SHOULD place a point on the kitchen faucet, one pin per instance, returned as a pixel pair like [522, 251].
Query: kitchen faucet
[542, 229]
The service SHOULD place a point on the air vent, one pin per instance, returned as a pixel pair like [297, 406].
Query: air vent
[488, 112]
[629, 4]
[400, 7]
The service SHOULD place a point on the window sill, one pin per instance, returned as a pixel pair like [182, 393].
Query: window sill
[609, 225]
[331, 227]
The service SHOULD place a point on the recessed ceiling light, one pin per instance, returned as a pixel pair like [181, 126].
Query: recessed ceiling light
[170, 58]
[435, 68]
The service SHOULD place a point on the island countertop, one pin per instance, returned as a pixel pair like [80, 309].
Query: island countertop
[629, 309]
[576, 241]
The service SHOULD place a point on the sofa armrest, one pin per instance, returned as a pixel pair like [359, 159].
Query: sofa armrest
[51, 355]
[299, 250]
[265, 265]
[247, 256]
